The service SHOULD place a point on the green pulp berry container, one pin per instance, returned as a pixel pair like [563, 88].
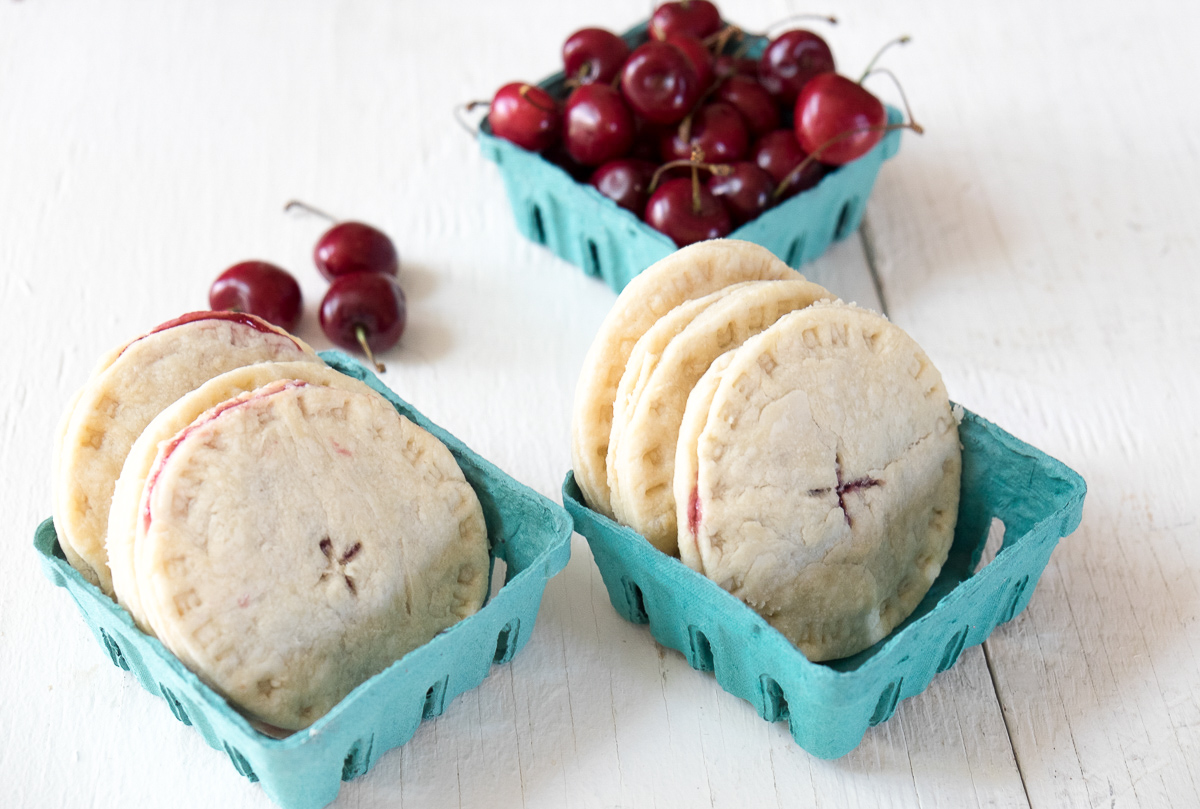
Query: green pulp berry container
[582, 226]
[305, 770]
[829, 706]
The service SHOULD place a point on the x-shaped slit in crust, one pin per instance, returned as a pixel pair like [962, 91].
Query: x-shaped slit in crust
[338, 564]
[845, 486]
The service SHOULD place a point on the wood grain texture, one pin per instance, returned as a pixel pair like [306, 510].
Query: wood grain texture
[1041, 253]
[1040, 242]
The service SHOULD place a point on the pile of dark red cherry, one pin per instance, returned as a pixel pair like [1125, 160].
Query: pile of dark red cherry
[364, 307]
[641, 125]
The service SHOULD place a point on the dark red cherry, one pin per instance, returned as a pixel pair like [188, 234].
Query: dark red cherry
[778, 153]
[598, 125]
[838, 119]
[659, 83]
[717, 130]
[753, 101]
[697, 18]
[746, 191]
[364, 311]
[261, 289]
[698, 56]
[790, 60]
[594, 55]
[687, 212]
[526, 115]
[352, 247]
[626, 182]
[558, 155]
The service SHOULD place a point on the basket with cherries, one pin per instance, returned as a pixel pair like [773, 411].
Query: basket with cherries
[642, 124]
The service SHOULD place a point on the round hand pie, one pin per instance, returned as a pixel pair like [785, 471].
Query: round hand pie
[641, 458]
[298, 539]
[638, 368]
[691, 272]
[823, 490]
[131, 386]
[123, 522]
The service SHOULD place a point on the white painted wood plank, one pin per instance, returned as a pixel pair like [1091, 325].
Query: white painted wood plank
[1040, 241]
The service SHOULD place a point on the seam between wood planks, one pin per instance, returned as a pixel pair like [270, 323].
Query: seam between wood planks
[987, 659]
[867, 237]
[868, 245]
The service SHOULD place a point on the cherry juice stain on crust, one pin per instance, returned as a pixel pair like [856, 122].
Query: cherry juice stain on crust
[844, 487]
[241, 318]
[338, 564]
[853, 486]
[340, 450]
[237, 317]
[694, 509]
[173, 444]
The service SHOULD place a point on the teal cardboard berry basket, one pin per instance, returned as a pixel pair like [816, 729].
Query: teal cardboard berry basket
[305, 770]
[829, 706]
[582, 226]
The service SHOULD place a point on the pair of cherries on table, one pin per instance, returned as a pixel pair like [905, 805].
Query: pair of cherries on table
[638, 121]
[363, 309]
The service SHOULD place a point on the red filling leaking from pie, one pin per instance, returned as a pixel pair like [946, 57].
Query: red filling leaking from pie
[695, 513]
[241, 318]
[208, 417]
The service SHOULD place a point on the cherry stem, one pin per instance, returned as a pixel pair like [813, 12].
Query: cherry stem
[717, 42]
[903, 97]
[719, 169]
[685, 126]
[697, 156]
[803, 164]
[304, 206]
[903, 40]
[360, 333]
[462, 109]
[798, 17]
[524, 93]
[576, 81]
[695, 190]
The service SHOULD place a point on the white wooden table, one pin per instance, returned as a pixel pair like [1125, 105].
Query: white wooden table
[1041, 242]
